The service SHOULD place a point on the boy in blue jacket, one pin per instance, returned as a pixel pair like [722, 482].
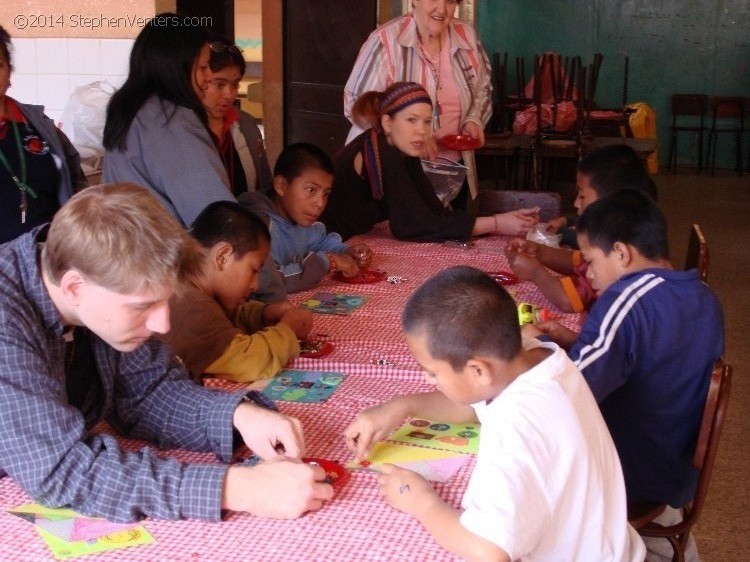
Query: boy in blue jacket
[647, 347]
[304, 253]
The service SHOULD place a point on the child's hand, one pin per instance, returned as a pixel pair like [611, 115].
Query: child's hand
[405, 490]
[523, 246]
[299, 320]
[274, 311]
[558, 333]
[362, 254]
[530, 331]
[525, 266]
[373, 425]
[345, 264]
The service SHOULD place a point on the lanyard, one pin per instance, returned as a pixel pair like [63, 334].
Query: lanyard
[21, 184]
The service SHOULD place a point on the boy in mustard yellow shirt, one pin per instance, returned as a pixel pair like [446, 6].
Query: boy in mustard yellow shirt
[215, 329]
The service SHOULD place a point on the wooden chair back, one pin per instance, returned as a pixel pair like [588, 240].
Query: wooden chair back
[641, 516]
[697, 253]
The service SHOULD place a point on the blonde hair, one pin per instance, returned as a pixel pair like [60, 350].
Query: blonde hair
[121, 238]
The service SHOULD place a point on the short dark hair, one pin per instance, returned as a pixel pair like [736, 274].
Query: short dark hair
[224, 53]
[463, 313]
[5, 46]
[630, 217]
[614, 167]
[230, 222]
[301, 156]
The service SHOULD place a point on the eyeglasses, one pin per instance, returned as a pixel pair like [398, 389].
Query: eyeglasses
[218, 47]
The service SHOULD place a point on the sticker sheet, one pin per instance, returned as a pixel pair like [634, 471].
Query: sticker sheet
[435, 465]
[292, 385]
[461, 438]
[334, 303]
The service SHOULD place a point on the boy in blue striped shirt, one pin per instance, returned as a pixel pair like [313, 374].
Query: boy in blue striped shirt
[647, 347]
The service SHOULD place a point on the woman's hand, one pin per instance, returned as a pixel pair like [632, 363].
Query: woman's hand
[473, 129]
[516, 223]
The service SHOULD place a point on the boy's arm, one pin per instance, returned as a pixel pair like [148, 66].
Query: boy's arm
[561, 260]
[261, 355]
[409, 492]
[249, 316]
[300, 277]
[603, 350]
[374, 424]
[530, 268]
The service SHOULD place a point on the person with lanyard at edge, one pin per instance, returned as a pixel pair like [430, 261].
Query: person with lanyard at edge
[443, 54]
[39, 167]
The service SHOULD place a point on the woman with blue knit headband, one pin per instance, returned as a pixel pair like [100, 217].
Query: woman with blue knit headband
[379, 176]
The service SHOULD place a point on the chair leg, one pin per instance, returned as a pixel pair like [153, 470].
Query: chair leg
[672, 166]
[739, 152]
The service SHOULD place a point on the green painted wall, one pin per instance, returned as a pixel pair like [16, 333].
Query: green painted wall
[674, 46]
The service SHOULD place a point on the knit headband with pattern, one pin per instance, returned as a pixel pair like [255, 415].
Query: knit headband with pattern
[402, 95]
[399, 96]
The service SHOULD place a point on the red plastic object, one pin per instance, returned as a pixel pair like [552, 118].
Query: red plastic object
[460, 142]
[503, 277]
[363, 277]
[336, 475]
[313, 349]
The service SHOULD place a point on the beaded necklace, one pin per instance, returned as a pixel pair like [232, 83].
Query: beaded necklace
[434, 65]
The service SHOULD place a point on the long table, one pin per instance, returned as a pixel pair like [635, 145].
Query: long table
[356, 524]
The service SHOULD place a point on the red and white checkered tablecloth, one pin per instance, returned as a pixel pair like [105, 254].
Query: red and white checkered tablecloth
[356, 524]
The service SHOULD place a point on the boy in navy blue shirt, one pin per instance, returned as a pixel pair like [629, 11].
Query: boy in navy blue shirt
[647, 347]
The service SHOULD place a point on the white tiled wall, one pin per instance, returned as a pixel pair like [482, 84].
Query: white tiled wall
[46, 71]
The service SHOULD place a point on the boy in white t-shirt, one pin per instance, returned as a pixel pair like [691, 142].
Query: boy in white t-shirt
[547, 484]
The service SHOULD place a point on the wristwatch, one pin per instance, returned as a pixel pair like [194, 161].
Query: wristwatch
[260, 399]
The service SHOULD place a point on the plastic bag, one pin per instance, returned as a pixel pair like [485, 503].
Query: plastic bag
[83, 120]
[539, 234]
[446, 178]
[525, 120]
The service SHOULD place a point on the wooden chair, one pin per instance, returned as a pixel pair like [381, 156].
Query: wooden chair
[550, 145]
[688, 112]
[491, 201]
[641, 516]
[697, 253]
[727, 117]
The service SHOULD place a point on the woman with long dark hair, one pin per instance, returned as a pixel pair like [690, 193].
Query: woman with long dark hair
[156, 133]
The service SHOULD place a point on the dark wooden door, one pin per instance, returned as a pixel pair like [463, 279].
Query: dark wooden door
[321, 42]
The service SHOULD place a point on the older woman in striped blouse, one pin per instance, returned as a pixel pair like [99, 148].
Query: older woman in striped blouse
[444, 55]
